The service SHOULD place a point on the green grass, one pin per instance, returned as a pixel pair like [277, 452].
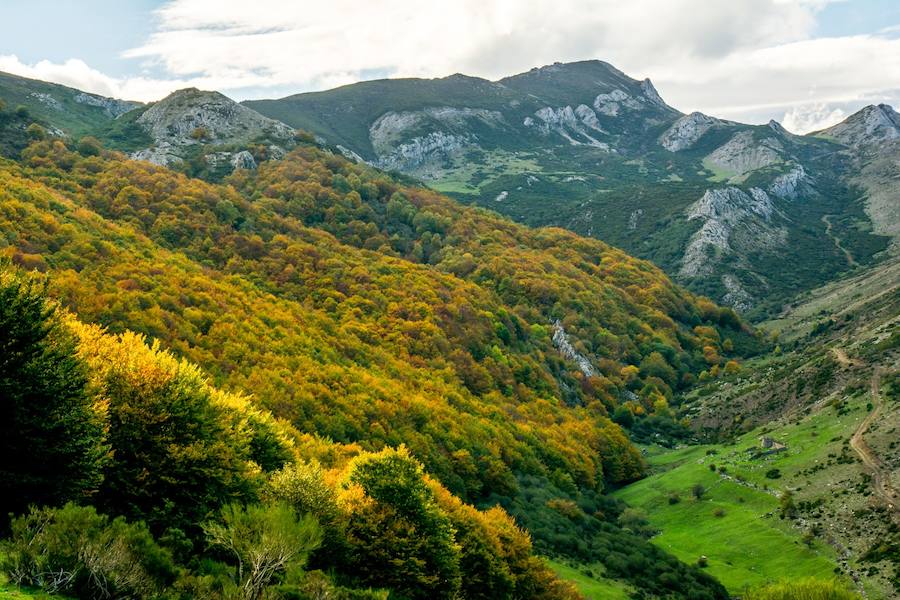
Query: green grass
[750, 545]
[591, 586]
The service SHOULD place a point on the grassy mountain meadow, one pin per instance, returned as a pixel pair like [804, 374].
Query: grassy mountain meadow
[545, 337]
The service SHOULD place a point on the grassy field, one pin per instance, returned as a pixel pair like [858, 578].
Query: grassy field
[592, 587]
[736, 523]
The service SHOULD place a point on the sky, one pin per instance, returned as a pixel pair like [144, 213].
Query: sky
[805, 63]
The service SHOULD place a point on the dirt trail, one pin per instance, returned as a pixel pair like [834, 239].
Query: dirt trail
[837, 242]
[841, 356]
[881, 479]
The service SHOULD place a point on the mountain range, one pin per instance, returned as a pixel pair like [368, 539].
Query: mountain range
[508, 282]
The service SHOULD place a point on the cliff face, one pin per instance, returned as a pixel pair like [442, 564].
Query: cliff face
[190, 118]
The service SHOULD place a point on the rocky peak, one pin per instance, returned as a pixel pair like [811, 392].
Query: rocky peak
[653, 96]
[869, 125]
[778, 128]
[192, 116]
[685, 132]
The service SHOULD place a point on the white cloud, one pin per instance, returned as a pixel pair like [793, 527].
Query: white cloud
[78, 74]
[812, 117]
[743, 59]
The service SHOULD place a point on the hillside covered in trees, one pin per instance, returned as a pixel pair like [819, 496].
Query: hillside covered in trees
[365, 314]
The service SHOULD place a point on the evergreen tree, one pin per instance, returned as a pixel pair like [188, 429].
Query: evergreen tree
[51, 437]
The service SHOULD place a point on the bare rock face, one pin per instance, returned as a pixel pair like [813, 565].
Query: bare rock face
[579, 125]
[653, 96]
[183, 116]
[111, 106]
[742, 153]
[685, 132]
[729, 216]
[562, 343]
[421, 141]
[871, 125]
[190, 117]
[792, 185]
[163, 154]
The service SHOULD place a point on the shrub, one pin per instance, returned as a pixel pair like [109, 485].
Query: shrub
[74, 550]
[674, 498]
[36, 132]
[89, 146]
[698, 491]
[719, 513]
[804, 589]
[268, 543]
[773, 474]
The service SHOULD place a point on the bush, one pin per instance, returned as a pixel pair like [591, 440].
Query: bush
[268, 543]
[773, 474]
[73, 550]
[36, 132]
[719, 513]
[89, 146]
[805, 589]
[674, 498]
[698, 491]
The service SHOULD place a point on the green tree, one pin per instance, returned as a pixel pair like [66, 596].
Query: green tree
[399, 537]
[36, 132]
[786, 505]
[51, 437]
[89, 146]
[302, 486]
[264, 543]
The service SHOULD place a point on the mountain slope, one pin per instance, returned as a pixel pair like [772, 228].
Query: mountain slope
[377, 314]
[583, 146]
[66, 109]
[830, 397]
[211, 129]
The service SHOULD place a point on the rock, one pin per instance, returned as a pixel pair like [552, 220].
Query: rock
[111, 106]
[871, 125]
[575, 125]
[501, 196]
[736, 296]
[399, 145]
[776, 127]
[562, 343]
[653, 96]
[47, 99]
[685, 132]
[177, 117]
[348, 153]
[243, 160]
[163, 154]
[742, 153]
[792, 184]
[723, 212]
[633, 218]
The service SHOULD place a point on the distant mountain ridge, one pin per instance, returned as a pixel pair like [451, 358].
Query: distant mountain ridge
[718, 204]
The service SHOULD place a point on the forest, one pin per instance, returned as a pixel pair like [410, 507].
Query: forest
[315, 377]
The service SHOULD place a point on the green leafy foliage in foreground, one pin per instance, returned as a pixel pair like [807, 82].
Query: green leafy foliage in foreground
[243, 532]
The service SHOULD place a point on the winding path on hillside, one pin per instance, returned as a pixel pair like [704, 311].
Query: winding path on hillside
[837, 242]
[881, 478]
